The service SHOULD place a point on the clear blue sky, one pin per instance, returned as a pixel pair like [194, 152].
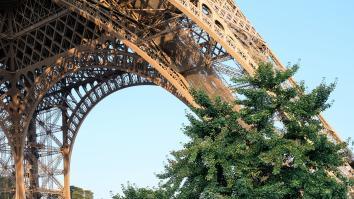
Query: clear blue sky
[129, 134]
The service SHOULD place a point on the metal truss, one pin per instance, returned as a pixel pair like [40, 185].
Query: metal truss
[59, 58]
[7, 170]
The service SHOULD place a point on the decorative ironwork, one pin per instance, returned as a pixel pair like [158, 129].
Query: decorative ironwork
[59, 58]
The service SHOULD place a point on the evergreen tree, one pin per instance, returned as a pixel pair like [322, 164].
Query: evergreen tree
[141, 193]
[79, 193]
[297, 160]
[274, 147]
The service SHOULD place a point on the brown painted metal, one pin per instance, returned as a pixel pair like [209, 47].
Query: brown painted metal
[59, 58]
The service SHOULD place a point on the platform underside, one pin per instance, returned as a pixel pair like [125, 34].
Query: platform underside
[9, 4]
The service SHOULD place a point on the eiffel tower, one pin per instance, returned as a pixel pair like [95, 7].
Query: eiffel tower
[59, 58]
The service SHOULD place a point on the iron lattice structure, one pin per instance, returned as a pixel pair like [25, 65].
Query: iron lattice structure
[59, 58]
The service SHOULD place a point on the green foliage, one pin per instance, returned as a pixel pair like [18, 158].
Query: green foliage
[274, 147]
[79, 193]
[141, 193]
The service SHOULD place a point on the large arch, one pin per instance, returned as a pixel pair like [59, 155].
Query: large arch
[81, 100]
[86, 87]
[53, 132]
[107, 53]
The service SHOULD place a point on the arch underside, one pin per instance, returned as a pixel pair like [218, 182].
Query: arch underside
[59, 58]
[57, 122]
[168, 40]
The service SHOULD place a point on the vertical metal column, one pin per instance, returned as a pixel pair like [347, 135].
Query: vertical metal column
[19, 166]
[66, 156]
[66, 152]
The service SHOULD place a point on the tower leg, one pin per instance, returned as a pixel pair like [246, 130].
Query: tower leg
[66, 157]
[66, 152]
[20, 178]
